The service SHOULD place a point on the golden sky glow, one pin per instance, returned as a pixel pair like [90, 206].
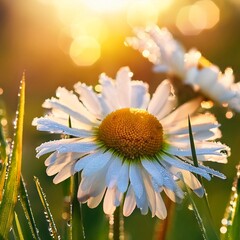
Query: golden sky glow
[88, 19]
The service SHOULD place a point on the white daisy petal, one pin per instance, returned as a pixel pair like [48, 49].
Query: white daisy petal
[142, 203]
[196, 128]
[135, 179]
[153, 171]
[190, 180]
[80, 146]
[51, 159]
[123, 86]
[129, 203]
[51, 146]
[65, 173]
[168, 181]
[172, 195]
[89, 98]
[161, 211]
[113, 171]
[81, 116]
[149, 191]
[181, 112]
[108, 203]
[92, 186]
[212, 171]
[100, 160]
[162, 93]
[82, 162]
[182, 165]
[62, 161]
[95, 201]
[123, 178]
[139, 95]
[44, 124]
[168, 107]
[207, 148]
[109, 93]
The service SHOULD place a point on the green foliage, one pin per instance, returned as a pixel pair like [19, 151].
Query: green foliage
[11, 185]
[26, 206]
[200, 206]
[3, 156]
[230, 229]
[48, 215]
[17, 228]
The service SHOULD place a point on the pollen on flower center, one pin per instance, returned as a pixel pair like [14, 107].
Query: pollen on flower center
[132, 133]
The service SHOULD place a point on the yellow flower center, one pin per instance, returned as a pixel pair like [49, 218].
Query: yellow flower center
[132, 133]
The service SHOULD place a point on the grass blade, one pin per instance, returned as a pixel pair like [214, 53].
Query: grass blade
[3, 157]
[201, 206]
[11, 187]
[230, 229]
[25, 203]
[52, 227]
[74, 207]
[17, 227]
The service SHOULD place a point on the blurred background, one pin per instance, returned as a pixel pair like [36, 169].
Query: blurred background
[60, 42]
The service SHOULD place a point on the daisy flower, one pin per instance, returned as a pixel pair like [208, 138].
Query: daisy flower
[129, 148]
[167, 55]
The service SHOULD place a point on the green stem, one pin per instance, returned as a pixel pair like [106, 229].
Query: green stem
[116, 225]
[76, 210]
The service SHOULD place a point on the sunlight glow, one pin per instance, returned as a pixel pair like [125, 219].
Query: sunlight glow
[193, 19]
[142, 13]
[89, 19]
[105, 5]
[85, 51]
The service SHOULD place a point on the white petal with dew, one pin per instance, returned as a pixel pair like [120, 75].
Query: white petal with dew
[89, 98]
[82, 162]
[185, 166]
[168, 107]
[196, 128]
[149, 191]
[100, 160]
[139, 94]
[44, 124]
[82, 146]
[159, 98]
[135, 179]
[123, 178]
[92, 186]
[190, 180]
[108, 93]
[113, 171]
[52, 146]
[181, 112]
[81, 114]
[168, 180]
[123, 86]
[212, 172]
[153, 171]
[65, 173]
[62, 160]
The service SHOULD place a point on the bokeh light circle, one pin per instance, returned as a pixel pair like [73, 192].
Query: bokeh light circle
[85, 50]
